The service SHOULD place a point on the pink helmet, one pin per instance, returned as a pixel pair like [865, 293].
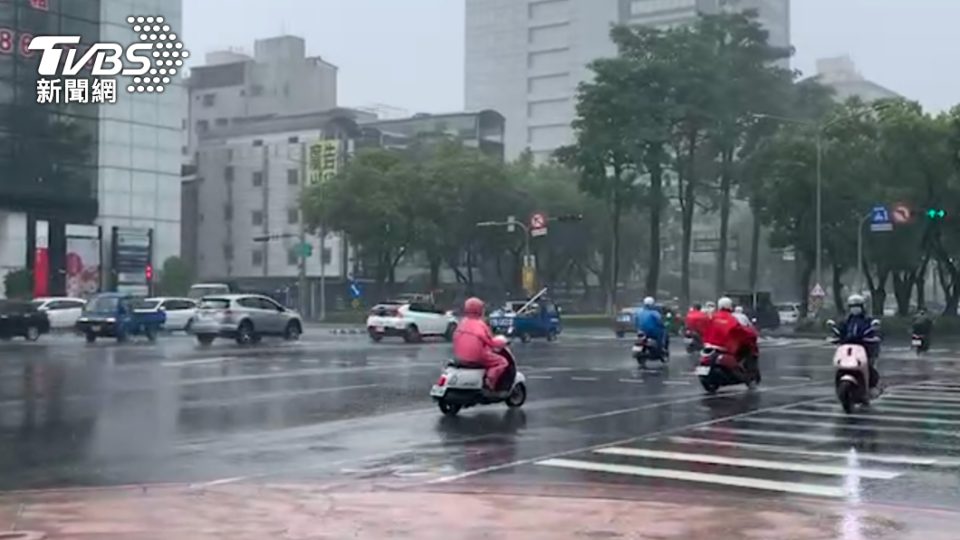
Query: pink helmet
[473, 307]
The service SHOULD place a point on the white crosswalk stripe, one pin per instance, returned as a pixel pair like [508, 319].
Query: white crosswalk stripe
[810, 449]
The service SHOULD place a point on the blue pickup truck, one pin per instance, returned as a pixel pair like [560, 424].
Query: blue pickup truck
[115, 315]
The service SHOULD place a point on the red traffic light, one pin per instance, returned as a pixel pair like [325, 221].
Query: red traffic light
[149, 272]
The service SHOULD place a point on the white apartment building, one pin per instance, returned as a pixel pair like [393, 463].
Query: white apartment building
[525, 58]
[841, 74]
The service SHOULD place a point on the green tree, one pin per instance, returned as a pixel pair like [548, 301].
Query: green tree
[18, 284]
[373, 202]
[174, 278]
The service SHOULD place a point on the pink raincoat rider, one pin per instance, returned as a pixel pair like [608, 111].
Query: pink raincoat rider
[473, 342]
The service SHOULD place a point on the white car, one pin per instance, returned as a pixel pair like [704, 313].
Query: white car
[180, 312]
[412, 321]
[63, 312]
[789, 313]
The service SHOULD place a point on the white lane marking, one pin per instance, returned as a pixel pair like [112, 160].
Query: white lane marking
[793, 378]
[734, 481]
[889, 406]
[929, 396]
[687, 398]
[654, 435]
[602, 370]
[585, 379]
[539, 377]
[307, 372]
[201, 361]
[676, 383]
[751, 463]
[879, 458]
[830, 425]
[921, 404]
[809, 437]
[254, 398]
[632, 381]
[878, 417]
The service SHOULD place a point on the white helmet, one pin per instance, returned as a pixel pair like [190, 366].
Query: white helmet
[738, 309]
[649, 302]
[725, 304]
[710, 305]
[856, 300]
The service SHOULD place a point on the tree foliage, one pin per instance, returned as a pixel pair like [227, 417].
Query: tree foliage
[174, 279]
[18, 284]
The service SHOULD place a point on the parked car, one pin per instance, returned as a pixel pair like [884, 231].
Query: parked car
[245, 318]
[180, 312]
[62, 312]
[789, 313]
[22, 319]
[412, 321]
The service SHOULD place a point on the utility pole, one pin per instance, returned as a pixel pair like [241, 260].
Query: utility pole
[302, 293]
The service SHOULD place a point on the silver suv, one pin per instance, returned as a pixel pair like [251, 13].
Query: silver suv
[247, 318]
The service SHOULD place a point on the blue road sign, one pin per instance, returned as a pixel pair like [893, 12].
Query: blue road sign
[355, 289]
[880, 219]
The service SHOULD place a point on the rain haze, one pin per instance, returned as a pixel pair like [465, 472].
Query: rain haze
[410, 54]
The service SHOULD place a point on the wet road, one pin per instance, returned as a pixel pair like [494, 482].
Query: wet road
[337, 408]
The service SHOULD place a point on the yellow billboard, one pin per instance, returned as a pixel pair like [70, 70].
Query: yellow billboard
[324, 160]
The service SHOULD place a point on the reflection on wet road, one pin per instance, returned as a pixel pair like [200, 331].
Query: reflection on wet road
[338, 407]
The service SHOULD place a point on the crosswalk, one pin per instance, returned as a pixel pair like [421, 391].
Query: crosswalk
[810, 449]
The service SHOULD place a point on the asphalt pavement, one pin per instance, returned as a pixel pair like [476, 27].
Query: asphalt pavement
[338, 409]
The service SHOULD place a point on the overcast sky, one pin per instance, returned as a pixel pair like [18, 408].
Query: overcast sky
[409, 53]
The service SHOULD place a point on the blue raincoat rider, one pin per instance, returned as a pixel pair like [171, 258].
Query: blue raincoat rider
[649, 321]
[857, 329]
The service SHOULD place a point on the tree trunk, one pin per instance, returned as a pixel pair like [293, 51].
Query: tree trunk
[949, 275]
[902, 289]
[726, 184]
[755, 250]
[435, 263]
[803, 285]
[688, 205]
[655, 168]
[837, 286]
[614, 253]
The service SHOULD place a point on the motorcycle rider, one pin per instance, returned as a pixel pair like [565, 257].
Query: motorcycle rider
[724, 330]
[697, 320]
[747, 323]
[857, 329]
[710, 308]
[923, 327]
[649, 322]
[473, 343]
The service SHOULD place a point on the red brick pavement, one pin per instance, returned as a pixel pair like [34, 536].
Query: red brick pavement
[242, 512]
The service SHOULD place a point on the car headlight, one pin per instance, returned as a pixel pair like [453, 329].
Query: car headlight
[111, 320]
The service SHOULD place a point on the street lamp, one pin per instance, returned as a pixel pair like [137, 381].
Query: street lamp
[820, 127]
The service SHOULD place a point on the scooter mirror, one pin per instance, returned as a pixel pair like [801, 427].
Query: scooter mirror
[831, 323]
[875, 324]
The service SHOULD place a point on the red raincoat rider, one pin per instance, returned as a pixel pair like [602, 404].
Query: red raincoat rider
[697, 320]
[473, 342]
[724, 330]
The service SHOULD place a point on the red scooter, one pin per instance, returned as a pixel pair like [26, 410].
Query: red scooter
[718, 368]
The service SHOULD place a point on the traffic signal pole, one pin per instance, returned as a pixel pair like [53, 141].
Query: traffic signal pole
[302, 298]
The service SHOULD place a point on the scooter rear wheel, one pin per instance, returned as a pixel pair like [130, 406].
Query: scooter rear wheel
[847, 393]
[449, 409]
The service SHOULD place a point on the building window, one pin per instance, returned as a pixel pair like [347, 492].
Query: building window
[256, 90]
[256, 257]
[222, 122]
[293, 177]
[293, 216]
[228, 252]
[257, 179]
[184, 150]
[292, 258]
[230, 154]
[293, 140]
[228, 212]
[258, 142]
[257, 217]
[202, 126]
[209, 100]
[228, 173]
[327, 256]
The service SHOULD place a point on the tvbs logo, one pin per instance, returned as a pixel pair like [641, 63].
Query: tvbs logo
[158, 55]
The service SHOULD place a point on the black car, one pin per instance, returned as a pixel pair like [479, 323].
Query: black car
[21, 319]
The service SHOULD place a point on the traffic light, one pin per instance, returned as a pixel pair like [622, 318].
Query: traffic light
[936, 213]
[149, 272]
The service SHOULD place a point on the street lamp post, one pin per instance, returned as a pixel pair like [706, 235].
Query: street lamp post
[820, 128]
[511, 221]
[860, 224]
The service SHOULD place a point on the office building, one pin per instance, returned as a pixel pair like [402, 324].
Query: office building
[277, 79]
[483, 130]
[111, 164]
[840, 73]
[525, 58]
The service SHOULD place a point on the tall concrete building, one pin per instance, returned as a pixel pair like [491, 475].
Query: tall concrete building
[279, 78]
[85, 165]
[524, 58]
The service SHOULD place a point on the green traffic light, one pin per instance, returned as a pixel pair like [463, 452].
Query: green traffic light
[936, 214]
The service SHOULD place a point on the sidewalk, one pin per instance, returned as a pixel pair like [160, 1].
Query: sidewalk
[242, 512]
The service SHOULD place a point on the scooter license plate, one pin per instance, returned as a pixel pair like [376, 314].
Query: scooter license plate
[688, 340]
[379, 329]
[637, 348]
[438, 391]
[702, 371]
[96, 328]
[917, 343]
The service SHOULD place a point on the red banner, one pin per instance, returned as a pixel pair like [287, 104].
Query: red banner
[41, 273]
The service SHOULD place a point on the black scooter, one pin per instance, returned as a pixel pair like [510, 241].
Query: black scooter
[645, 348]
